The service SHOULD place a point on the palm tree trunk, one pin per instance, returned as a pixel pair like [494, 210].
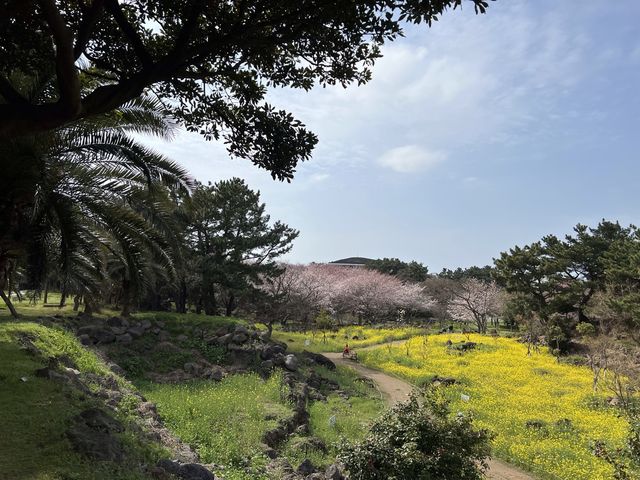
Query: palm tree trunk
[89, 306]
[181, 301]
[63, 296]
[7, 301]
[126, 298]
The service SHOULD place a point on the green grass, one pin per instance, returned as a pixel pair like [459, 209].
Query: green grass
[53, 342]
[29, 310]
[175, 322]
[141, 357]
[224, 421]
[37, 412]
[352, 418]
[334, 341]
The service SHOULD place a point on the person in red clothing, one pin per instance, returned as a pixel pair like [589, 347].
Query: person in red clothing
[346, 350]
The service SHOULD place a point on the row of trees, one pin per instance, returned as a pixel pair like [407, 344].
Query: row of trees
[359, 294]
[103, 219]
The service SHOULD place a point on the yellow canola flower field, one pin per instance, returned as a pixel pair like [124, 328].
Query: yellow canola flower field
[544, 414]
[334, 341]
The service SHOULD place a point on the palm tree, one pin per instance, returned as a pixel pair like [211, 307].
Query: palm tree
[90, 199]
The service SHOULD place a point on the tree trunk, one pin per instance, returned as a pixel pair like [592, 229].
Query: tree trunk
[230, 305]
[181, 300]
[76, 303]
[269, 326]
[46, 293]
[126, 299]
[582, 318]
[210, 307]
[10, 306]
[88, 306]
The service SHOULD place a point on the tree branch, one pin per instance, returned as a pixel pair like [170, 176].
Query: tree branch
[89, 19]
[189, 26]
[130, 33]
[67, 74]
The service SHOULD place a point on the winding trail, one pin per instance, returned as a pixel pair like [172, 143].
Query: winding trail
[396, 390]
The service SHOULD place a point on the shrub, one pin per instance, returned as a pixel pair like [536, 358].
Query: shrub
[419, 440]
[585, 329]
[215, 354]
[536, 424]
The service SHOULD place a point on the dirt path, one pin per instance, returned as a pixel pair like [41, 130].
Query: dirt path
[396, 390]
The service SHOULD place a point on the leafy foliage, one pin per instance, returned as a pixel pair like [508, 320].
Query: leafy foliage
[233, 245]
[407, 271]
[556, 279]
[93, 206]
[213, 62]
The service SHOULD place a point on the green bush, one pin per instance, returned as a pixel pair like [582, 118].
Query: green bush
[585, 329]
[216, 354]
[419, 440]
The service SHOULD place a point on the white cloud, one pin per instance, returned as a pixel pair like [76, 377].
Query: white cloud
[470, 81]
[410, 159]
[319, 177]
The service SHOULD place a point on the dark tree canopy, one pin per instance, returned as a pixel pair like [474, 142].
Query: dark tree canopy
[235, 244]
[560, 276]
[407, 271]
[484, 274]
[211, 62]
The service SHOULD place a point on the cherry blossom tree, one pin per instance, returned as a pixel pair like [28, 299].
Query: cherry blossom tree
[474, 301]
[366, 294]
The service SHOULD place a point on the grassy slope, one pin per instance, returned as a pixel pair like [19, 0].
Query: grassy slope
[37, 412]
[225, 422]
[141, 356]
[506, 390]
[352, 417]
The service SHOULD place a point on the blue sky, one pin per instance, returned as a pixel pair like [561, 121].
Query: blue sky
[478, 134]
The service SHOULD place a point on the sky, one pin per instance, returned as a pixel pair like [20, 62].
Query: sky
[479, 134]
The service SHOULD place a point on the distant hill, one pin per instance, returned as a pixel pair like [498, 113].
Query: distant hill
[352, 261]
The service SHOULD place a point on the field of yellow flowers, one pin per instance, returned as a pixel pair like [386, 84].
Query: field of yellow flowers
[544, 414]
[334, 341]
